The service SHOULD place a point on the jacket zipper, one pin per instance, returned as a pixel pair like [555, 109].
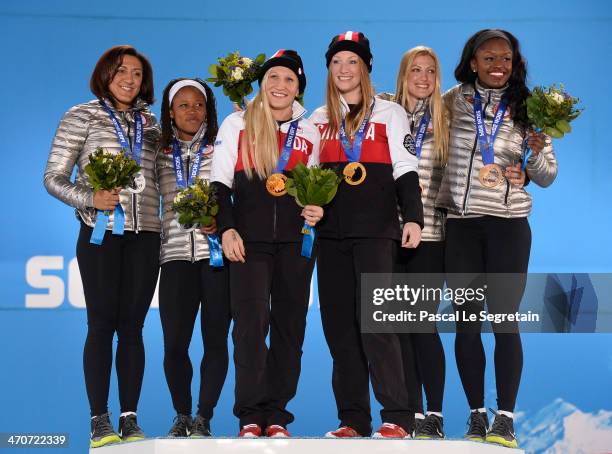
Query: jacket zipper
[192, 240]
[507, 193]
[134, 205]
[191, 234]
[278, 135]
[469, 176]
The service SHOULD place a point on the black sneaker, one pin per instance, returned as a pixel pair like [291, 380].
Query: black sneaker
[181, 427]
[129, 430]
[477, 426]
[430, 429]
[502, 432]
[102, 432]
[415, 427]
[201, 427]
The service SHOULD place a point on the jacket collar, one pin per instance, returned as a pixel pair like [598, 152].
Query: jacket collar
[420, 107]
[345, 106]
[198, 136]
[488, 94]
[138, 106]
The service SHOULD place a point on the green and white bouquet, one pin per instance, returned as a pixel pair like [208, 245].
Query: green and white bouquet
[196, 205]
[107, 171]
[550, 110]
[236, 75]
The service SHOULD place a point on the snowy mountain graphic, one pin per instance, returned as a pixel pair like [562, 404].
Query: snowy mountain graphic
[562, 428]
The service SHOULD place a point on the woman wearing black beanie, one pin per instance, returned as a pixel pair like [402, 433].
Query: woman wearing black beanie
[261, 237]
[363, 138]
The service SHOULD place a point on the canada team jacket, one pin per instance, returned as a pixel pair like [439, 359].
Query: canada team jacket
[369, 210]
[256, 214]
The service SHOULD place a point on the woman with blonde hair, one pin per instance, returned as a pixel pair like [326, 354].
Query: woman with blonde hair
[260, 233]
[419, 92]
[363, 138]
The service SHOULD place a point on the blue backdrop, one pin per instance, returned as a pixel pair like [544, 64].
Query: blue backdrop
[48, 52]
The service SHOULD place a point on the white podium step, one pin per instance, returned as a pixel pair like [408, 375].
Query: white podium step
[296, 445]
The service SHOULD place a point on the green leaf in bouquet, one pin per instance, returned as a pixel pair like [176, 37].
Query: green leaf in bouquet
[260, 59]
[553, 132]
[205, 221]
[290, 187]
[563, 126]
[212, 69]
[214, 210]
[185, 218]
[301, 196]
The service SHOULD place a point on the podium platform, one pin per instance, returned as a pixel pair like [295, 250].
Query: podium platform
[296, 445]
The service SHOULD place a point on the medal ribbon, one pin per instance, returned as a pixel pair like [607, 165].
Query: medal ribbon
[287, 147]
[527, 151]
[135, 153]
[486, 141]
[418, 142]
[307, 240]
[353, 152]
[179, 170]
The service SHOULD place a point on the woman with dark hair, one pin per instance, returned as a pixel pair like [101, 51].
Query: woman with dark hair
[119, 275]
[260, 226]
[188, 277]
[487, 229]
[364, 139]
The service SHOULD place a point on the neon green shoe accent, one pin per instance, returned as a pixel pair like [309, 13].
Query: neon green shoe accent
[107, 440]
[496, 439]
[134, 438]
[478, 439]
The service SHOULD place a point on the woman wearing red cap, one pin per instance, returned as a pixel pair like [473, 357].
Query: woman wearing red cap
[261, 236]
[364, 139]
[487, 227]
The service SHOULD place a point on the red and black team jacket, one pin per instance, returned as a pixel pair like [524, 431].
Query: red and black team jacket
[254, 213]
[369, 210]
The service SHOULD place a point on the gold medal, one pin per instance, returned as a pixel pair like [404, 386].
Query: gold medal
[491, 175]
[354, 173]
[276, 184]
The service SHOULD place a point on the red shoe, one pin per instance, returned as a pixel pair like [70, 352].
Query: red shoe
[388, 430]
[250, 431]
[343, 432]
[276, 431]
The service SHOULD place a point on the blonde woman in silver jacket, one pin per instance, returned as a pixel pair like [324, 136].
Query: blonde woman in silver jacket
[190, 279]
[119, 275]
[487, 229]
[418, 91]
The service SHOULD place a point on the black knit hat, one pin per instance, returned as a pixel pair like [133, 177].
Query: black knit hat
[352, 41]
[289, 59]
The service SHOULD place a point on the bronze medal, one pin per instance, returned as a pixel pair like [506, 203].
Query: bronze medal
[354, 173]
[491, 175]
[276, 184]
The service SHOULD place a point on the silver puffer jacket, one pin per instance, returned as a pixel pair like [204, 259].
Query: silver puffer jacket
[430, 176]
[177, 244]
[461, 192]
[84, 128]
[430, 173]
